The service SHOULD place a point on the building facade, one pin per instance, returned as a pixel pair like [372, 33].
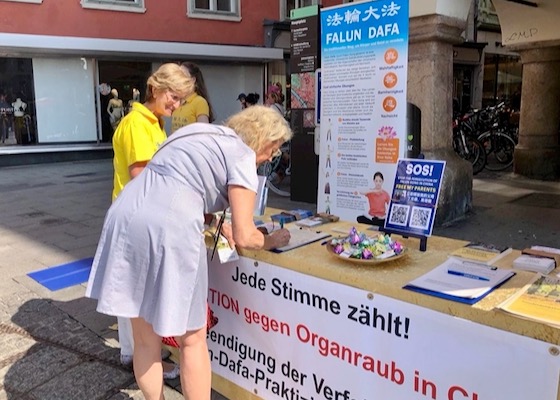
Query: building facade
[67, 65]
[60, 60]
[484, 71]
[63, 61]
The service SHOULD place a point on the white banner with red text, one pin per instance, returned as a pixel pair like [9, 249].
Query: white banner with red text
[286, 335]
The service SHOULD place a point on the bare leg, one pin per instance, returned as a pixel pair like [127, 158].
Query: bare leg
[127, 344]
[147, 359]
[195, 365]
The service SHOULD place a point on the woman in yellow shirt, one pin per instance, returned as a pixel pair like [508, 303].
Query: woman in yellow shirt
[140, 132]
[197, 107]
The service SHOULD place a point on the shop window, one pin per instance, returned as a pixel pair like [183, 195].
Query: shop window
[17, 102]
[65, 100]
[215, 9]
[502, 79]
[286, 6]
[115, 5]
[462, 88]
[121, 83]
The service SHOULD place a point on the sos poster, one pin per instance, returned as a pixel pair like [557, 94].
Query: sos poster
[415, 196]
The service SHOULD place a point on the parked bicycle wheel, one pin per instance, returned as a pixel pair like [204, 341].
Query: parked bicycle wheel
[480, 162]
[471, 150]
[273, 183]
[499, 150]
[278, 188]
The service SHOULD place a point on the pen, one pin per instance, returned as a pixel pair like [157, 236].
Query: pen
[281, 224]
[218, 233]
[467, 275]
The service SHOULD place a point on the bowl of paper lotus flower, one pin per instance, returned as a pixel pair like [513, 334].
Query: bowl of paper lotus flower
[359, 248]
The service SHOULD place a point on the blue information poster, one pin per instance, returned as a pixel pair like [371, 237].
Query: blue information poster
[362, 112]
[415, 196]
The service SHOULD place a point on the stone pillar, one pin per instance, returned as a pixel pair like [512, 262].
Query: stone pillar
[430, 79]
[537, 154]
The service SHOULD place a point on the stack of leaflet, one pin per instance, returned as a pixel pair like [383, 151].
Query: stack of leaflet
[482, 253]
[538, 259]
[534, 263]
[317, 219]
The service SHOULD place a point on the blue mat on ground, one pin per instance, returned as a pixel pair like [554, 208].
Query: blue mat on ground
[65, 275]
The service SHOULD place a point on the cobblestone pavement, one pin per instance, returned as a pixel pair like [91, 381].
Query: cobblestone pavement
[54, 345]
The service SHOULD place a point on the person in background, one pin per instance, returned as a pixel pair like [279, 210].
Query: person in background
[274, 99]
[151, 262]
[241, 98]
[378, 200]
[136, 139]
[252, 99]
[281, 90]
[197, 107]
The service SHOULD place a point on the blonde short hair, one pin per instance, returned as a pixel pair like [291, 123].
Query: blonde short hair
[260, 125]
[171, 77]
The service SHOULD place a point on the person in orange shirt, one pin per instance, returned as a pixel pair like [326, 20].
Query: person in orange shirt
[378, 200]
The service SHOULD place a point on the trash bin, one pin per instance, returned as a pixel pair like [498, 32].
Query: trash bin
[413, 131]
[305, 163]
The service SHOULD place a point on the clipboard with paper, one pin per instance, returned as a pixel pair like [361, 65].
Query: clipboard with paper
[300, 236]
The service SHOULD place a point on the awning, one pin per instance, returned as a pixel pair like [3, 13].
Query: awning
[18, 45]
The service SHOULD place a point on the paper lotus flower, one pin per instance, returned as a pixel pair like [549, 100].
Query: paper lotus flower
[358, 245]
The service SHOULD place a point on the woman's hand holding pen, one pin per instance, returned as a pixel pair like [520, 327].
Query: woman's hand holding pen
[278, 238]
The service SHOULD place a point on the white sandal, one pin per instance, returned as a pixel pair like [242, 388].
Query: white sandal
[174, 373]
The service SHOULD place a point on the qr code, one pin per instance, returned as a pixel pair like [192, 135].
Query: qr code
[399, 214]
[420, 217]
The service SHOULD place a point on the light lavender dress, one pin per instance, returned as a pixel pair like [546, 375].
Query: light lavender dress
[151, 260]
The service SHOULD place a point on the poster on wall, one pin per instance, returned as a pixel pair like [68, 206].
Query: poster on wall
[283, 335]
[304, 32]
[364, 60]
[304, 41]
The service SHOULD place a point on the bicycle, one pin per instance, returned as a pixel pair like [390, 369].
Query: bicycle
[277, 170]
[499, 148]
[466, 145]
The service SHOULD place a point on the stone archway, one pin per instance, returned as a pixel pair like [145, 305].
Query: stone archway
[435, 26]
[531, 29]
